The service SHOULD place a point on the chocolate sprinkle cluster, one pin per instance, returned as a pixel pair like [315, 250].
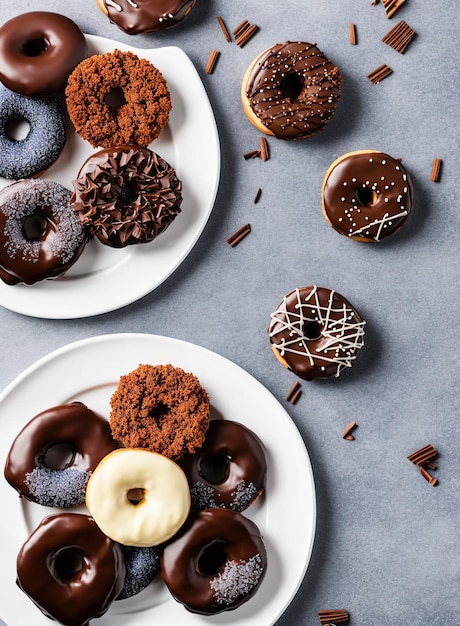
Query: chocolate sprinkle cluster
[126, 195]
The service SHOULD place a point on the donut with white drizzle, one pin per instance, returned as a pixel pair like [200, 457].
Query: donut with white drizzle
[367, 195]
[315, 332]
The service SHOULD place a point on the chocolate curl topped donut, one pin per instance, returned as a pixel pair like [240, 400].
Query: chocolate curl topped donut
[126, 195]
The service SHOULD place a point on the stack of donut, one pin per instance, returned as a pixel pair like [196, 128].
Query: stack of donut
[117, 102]
[145, 512]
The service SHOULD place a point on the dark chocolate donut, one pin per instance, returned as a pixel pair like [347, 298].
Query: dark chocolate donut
[38, 51]
[144, 16]
[70, 569]
[74, 433]
[40, 235]
[291, 90]
[316, 332]
[229, 470]
[367, 195]
[216, 563]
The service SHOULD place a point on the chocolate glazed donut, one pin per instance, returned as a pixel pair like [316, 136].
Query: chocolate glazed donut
[229, 470]
[143, 16]
[86, 435]
[70, 569]
[216, 563]
[38, 51]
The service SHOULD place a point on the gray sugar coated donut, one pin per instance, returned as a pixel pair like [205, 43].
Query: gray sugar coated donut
[25, 158]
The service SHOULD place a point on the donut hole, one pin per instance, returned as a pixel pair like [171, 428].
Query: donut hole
[115, 98]
[214, 468]
[291, 87]
[311, 329]
[35, 47]
[366, 196]
[17, 128]
[127, 193]
[211, 558]
[136, 495]
[159, 412]
[68, 563]
[34, 226]
[57, 456]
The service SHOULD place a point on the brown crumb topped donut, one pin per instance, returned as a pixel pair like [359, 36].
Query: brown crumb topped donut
[161, 408]
[126, 195]
[291, 90]
[118, 98]
[367, 195]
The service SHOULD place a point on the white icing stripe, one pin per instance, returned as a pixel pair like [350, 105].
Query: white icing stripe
[386, 218]
[339, 336]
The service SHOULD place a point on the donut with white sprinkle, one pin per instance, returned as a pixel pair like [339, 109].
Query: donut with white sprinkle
[367, 195]
[315, 332]
[291, 90]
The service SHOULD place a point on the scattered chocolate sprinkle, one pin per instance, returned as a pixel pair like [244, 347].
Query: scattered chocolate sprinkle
[224, 29]
[353, 40]
[433, 481]
[257, 196]
[391, 6]
[399, 37]
[374, 2]
[422, 456]
[423, 459]
[237, 236]
[294, 393]
[264, 153]
[242, 26]
[251, 155]
[380, 73]
[243, 32]
[347, 431]
[212, 60]
[435, 170]
[333, 616]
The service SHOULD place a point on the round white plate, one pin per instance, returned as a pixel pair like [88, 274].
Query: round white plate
[89, 371]
[104, 279]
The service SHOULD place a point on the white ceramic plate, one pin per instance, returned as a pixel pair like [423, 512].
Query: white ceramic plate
[105, 279]
[89, 371]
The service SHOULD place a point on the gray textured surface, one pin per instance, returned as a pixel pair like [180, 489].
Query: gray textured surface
[386, 547]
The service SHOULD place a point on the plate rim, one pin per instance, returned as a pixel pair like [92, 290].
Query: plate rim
[99, 340]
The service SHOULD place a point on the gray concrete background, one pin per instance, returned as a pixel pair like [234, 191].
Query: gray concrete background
[386, 547]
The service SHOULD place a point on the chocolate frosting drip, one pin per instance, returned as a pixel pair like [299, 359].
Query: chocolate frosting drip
[141, 16]
[126, 195]
[294, 89]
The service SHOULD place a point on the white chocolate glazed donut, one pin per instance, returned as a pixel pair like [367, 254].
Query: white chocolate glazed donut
[137, 497]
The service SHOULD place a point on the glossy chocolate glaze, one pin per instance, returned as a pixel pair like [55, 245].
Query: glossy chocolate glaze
[367, 195]
[49, 251]
[239, 540]
[242, 459]
[141, 16]
[316, 332]
[294, 89]
[38, 51]
[90, 591]
[86, 434]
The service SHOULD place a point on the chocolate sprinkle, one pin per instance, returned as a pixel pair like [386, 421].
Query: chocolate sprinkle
[379, 74]
[399, 37]
[334, 616]
[237, 236]
[353, 40]
[435, 170]
[294, 393]
[212, 60]
[224, 29]
[391, 6]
